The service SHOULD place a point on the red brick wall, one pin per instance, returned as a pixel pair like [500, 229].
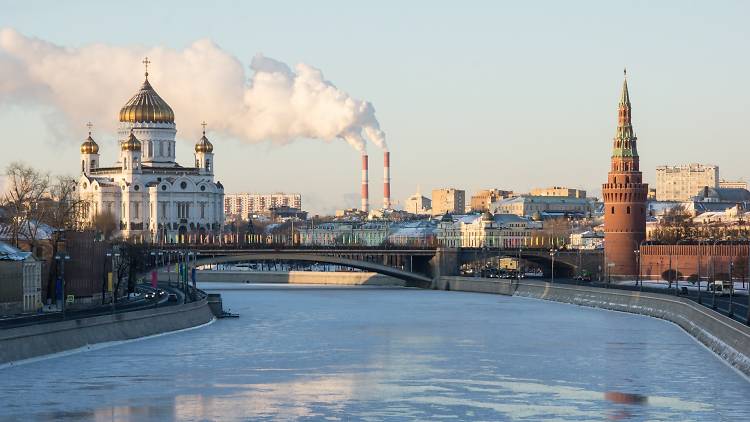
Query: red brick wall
[688, 260]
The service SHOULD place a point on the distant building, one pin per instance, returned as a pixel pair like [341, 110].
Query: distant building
[20, 281]
[284, 213]
[527, 206]
[487, 230]
[244, 205]
[680, 183]
[559, 191]
[733, 184]
[481, 200]
[448, 200]
[418, 204]
[587, 240]
[651, 194]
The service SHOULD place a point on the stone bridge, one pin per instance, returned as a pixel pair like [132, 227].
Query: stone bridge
[417, 267]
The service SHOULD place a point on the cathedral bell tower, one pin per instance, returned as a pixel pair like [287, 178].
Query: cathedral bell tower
[89, 154]
[624, 198]
[130, 154]
[204, 154]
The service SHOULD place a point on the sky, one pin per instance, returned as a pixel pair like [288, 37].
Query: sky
[472, 95]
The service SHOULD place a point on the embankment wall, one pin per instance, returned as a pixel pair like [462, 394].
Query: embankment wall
[726, 337]
[43, 339]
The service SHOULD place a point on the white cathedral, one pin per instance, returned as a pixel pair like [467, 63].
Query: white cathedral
[153, 198]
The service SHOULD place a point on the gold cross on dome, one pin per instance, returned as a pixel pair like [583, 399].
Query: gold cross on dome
[89, 125]
[146, 62]
[204, 126]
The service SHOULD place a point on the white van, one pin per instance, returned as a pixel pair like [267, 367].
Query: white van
[722, 287]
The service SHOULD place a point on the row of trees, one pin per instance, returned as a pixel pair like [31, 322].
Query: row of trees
[677, 225]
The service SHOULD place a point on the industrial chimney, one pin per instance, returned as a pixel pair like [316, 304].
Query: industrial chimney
[387, 180]
[365, 185]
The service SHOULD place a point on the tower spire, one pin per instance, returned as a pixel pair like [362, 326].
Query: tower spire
[624, 144]
[625, 96]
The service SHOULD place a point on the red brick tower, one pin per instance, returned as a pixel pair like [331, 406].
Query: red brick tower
[624, 197]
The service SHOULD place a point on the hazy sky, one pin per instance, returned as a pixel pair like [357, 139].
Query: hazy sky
[475, 95]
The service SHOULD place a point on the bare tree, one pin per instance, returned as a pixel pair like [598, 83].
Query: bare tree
[106, 224]
[27, 189]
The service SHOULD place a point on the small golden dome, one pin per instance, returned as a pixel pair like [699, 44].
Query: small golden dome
[204, 145]
[146, 106]
[89, 146]
[131, 144]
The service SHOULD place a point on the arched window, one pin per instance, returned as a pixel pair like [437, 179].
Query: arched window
[83, 166]
[627, 179]
[208, 165]
[125, 163]
[628, 210]
[150, 148]
[613, 210]
[161, 149]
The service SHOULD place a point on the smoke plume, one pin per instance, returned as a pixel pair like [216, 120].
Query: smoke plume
[274, 102]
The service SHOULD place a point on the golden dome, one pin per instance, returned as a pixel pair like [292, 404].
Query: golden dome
[203, 145]
[89, 146]
[146, 106]
[131, 144]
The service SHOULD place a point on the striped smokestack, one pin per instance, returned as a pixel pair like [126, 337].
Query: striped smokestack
[387, 180]
[365, 185]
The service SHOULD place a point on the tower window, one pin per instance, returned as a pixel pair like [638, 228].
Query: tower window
[628, 210]
[613, 210]
[83, 166]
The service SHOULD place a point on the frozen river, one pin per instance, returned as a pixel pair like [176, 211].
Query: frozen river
[376, 354]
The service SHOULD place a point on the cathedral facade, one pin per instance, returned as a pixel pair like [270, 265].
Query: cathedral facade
[149, 196]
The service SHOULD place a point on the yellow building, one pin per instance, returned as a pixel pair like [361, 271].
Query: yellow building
[448, 200]
[559, 191]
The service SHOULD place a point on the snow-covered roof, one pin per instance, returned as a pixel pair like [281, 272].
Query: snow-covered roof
[9, 253]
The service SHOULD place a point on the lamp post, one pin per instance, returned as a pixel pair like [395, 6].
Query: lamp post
[61, 258]
[518, 266]
[637, 254]
[104, 276]
[552, 253]
[713, 274]
[731, 288]
[114, 285]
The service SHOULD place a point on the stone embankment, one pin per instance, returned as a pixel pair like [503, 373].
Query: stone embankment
[32, 341]
[726, 337]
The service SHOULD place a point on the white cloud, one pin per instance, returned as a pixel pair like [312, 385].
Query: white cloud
[272, 102]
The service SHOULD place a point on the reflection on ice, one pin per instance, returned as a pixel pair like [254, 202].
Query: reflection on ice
[373, 354]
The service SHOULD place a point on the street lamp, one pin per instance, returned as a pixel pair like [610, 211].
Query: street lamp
[518, 266]
[731, 288]
[637, 254]
[114, 288]
[552, 253]
[61, 258]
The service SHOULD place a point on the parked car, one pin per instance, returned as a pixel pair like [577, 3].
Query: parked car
[172, 297]
[722, 287]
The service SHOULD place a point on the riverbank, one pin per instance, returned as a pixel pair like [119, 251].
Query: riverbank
[17, 344]
[727, 338]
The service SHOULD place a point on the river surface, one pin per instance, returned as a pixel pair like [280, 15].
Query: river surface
[321, 353]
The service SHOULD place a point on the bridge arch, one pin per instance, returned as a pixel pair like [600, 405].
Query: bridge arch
[411, 279]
